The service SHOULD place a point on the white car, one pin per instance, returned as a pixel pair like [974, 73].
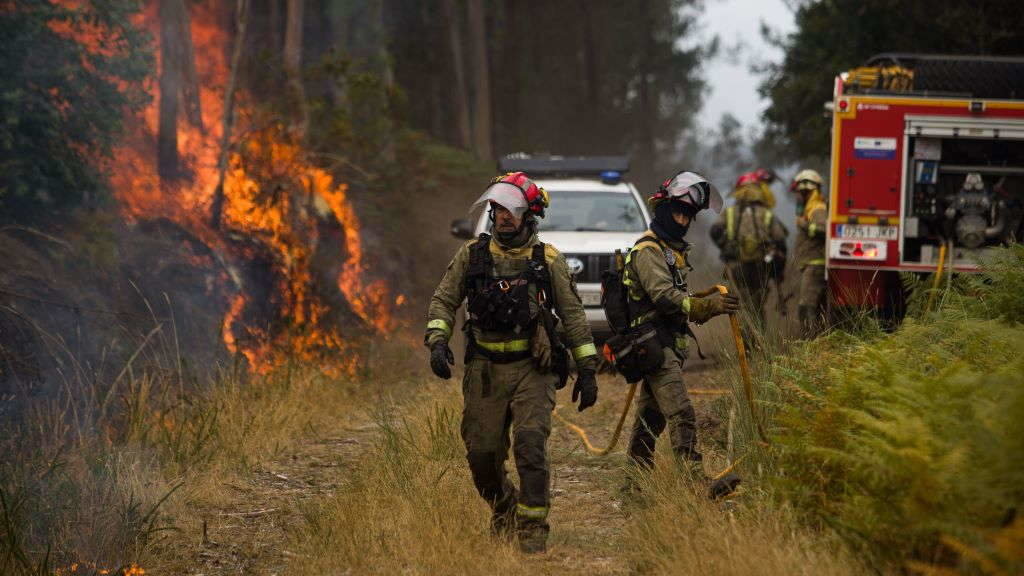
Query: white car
[588, 220]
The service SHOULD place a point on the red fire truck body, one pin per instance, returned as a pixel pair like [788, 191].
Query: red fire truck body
[897, 186]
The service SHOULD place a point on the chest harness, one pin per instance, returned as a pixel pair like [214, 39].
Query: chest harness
[667, 320]
[505, 304]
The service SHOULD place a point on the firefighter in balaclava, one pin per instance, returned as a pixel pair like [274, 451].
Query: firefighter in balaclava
[811, 225]
[752, 244]
[515, 359]
[655, 274]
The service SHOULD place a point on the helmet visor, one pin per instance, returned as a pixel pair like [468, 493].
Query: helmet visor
[693, 189]
[506, 195]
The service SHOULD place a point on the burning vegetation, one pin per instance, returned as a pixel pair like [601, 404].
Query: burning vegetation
[284, 240]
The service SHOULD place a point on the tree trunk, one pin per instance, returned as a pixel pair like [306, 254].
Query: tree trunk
[189, 81]
[170, 84]
[217, 205]
[293, 64]
[458, 91]
[482, 123]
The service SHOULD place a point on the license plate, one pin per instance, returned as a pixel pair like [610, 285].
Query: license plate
[866, 231]
[590, 299]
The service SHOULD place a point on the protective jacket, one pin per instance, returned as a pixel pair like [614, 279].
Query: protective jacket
[810, 240]
[508, 338]
[655, 274]
[746, 232]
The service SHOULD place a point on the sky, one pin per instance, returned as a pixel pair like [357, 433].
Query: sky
[733, 86]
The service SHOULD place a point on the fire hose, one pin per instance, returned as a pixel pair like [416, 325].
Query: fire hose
[744, 372]
[938, 276]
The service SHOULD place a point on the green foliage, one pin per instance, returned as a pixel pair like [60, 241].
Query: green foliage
[69, 76]
[833, 36]
[1001, 284]
[908, 441]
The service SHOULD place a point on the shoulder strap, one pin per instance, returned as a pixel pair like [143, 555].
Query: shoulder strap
[540, 271]
[666, 252]
[480, 263]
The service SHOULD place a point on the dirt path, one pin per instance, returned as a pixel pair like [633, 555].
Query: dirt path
[588, 513]
[249, 533]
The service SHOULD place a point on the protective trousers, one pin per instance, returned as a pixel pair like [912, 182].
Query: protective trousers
[663, 402]
[498, 397]
[812, 300]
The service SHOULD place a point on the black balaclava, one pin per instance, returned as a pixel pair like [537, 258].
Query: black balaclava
[665, 226]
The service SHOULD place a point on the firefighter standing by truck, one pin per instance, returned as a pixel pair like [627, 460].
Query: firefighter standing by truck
[659, 308]
[811, 227]
[515, 360]
[752, 244]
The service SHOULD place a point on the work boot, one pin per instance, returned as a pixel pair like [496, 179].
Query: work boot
[722, 487]
[533, 536]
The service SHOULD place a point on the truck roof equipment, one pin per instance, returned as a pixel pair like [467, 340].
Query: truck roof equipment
[991, 77]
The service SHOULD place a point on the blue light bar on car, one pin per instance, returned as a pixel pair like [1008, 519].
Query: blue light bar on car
[611, 177]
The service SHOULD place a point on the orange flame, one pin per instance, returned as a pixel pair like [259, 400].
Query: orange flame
[273, 197]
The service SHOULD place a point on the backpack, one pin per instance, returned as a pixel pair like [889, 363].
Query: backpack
[636, 351]
[748, 233]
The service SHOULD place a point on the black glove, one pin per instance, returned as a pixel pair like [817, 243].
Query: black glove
[723, 304]
[440, 358]
[585, 389]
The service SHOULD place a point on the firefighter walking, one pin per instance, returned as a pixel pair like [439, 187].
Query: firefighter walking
[752, 244]
[810, 251]
[515, 359]
[655, 279]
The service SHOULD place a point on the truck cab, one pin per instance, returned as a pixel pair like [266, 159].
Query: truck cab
[593, 213]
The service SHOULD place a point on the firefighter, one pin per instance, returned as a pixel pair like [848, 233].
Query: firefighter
[655, 275]
[514, 357]
[810, 250]
[752, 244]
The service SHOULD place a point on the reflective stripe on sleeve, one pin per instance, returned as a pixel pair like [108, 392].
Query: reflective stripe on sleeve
[583, 351]
[438, 324]
[686, 305]
[816, 262]
[811, 229]
[532, 512]
[509, 346]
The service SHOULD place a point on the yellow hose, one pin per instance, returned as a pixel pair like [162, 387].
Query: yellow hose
[938, 276]
[615, 435]
[741, 355]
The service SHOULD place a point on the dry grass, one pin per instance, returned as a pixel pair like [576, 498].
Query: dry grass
[677, 530]
[408, 508]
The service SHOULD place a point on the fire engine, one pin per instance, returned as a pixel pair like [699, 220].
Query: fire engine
[927, 162]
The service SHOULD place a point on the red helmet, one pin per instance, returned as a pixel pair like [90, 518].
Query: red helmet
[760, 175]
[748, 178]
[515, 192]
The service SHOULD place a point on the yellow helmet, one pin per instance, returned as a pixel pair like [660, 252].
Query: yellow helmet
[806, 179]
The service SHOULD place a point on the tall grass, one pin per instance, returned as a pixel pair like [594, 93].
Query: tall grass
[677, 530]
[408, 508]
[117, 466]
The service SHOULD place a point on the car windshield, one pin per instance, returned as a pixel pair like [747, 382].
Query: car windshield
[593, 212]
